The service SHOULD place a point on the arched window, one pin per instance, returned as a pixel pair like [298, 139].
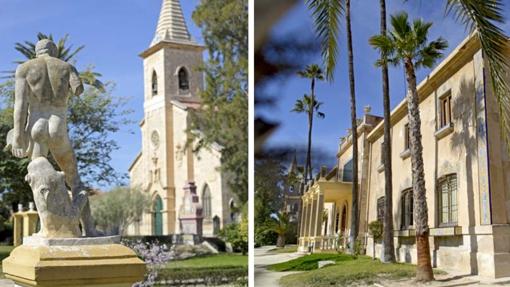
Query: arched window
[206, 201]
[154, 87]
[183, 79]
[157, 216]
[344, 219]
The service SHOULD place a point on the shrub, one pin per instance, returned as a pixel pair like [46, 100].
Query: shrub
[208, 276]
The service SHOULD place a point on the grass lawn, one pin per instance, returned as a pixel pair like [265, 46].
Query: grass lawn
[218, 260]
[309, 262]
[346, 271]
[286, 249]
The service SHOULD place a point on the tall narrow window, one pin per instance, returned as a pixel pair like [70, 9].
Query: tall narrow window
[344, 219]
[380, 208]
[407, 209]
[382, 153]
[183, 79]
[154, 87]
[445, 110]
[347, 174]
[206, 201]
[407, 139]
[447, 200]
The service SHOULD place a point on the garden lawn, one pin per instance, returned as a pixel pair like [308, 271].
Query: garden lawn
[347, 270]
[212, 270]
[309, 262]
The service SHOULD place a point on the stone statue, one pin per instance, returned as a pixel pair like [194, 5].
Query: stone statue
[59, 216]
[43, 86]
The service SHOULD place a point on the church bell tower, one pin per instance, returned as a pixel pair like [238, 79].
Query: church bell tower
[172, 82]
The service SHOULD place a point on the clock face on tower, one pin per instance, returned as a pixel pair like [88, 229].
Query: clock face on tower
[155, 139]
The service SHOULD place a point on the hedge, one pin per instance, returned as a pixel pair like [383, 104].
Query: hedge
[209, 276]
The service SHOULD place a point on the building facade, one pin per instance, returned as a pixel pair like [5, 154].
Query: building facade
[166, 162]
[467, 171]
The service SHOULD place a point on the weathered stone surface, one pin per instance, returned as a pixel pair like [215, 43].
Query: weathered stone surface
[59, 216]
[86, 265]
[39, 241]
[326, 263]
[43, 86]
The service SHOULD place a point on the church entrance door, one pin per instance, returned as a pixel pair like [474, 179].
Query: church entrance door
[157, 220]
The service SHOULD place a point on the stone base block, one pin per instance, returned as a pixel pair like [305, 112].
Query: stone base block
[96, 264]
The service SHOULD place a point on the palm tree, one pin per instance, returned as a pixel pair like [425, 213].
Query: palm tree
[389, 249]
[312, 72]
[309, 106]
[280, 225]
[408, 44]
[327, 14]
[64, 52]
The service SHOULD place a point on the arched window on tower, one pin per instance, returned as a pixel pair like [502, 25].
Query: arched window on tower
[206, 201]
[154, 87]
[183, 80]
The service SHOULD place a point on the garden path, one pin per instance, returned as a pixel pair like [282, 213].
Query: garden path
[264, 258]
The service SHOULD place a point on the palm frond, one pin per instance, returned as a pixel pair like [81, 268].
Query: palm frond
[482, 16]
[327, 15]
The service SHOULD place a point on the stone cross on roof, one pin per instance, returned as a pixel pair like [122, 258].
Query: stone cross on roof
[171, 25]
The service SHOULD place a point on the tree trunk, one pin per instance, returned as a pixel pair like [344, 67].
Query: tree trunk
[280, 242]
[424, 268]
[310, 170]
[389, 249]
[354, 125]
[309, 151]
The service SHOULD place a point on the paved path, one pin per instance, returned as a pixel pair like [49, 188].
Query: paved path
[6, 283]
[263, 258]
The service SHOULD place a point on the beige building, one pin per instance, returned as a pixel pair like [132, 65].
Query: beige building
[467, 174]
[172, 83]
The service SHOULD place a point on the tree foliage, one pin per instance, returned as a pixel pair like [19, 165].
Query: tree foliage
[114, 211]
[269, 187]
[223, 116]
[237, 233]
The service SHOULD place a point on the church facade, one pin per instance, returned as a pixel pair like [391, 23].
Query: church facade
[166, 163]
[467, 175]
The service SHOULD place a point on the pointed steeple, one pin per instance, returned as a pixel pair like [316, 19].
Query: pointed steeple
[171, 25]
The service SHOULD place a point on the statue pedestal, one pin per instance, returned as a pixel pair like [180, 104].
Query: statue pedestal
[100, 261]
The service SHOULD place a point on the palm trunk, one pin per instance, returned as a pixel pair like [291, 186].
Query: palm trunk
[389, 249]
[355, 208]
[310, 170]
[280, 242]
[424, 268]
[309, 152]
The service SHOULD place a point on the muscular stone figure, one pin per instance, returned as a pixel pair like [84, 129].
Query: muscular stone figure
[43, 86]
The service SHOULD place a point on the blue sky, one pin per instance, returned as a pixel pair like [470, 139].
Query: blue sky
[115, 32]
[335, 96]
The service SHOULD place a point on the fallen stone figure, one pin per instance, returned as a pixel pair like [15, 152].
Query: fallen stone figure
[59, 215]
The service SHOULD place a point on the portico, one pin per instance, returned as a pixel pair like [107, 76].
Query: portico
[325, 212]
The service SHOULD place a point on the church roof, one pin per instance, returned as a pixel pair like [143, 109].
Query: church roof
[171, 25]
